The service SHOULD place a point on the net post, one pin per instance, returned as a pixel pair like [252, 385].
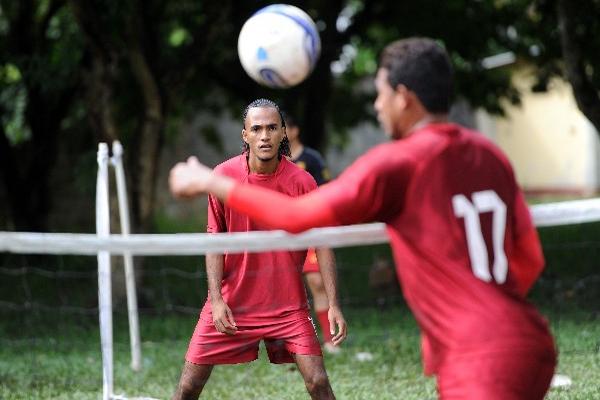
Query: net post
[132, 306]
[104, 273]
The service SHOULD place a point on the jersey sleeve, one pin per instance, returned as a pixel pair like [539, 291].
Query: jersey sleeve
[527, 258]
[308, 184]
[370, 190]
[216, 216]
[293, 214]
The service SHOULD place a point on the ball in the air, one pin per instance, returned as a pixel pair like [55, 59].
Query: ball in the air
[279, 46]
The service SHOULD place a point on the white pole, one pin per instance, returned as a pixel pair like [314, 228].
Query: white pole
[132, 307]
[104, 279]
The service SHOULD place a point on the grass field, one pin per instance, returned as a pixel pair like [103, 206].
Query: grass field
[46, 353]
[62, 361]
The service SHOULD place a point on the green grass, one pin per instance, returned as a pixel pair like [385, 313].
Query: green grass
[46, 354]
[60, 359]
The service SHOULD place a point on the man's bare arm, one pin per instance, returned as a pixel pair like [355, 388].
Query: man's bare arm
[222, 315]
[326, 260]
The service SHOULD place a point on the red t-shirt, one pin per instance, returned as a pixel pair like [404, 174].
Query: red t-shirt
[453, 212]
[463, 240]
[260, 288]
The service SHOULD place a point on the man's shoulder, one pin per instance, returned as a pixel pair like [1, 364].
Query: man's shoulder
[487, 148]
[297, 173]
[388, 155]
[426, 141]
[232, 167]
[467, 150]
[291, 169]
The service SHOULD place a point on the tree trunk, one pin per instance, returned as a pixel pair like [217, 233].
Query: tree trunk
[99, 72]
[13, 183]
[319, 91]
[585, 93]
[147, 142]
[27, 166]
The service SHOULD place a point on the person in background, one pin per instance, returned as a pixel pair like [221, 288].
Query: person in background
[311, 161]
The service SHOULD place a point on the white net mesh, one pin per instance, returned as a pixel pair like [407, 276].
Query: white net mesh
[49, 308]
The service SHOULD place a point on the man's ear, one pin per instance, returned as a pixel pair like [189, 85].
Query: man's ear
[244, 135]
[403, 96]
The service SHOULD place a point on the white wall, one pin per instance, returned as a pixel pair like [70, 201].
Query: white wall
[551, 144]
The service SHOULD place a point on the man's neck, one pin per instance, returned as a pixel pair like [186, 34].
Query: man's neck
[258, 166]
[426, 120]
[296, 149]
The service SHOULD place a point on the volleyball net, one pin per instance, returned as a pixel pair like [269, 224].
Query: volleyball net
[23, 277]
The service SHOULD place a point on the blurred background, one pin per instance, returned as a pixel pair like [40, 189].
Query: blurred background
[163, 77]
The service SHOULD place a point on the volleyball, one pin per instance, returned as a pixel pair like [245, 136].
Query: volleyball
[279, 46]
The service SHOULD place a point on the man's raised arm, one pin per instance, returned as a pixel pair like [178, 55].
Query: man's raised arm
[293, 214]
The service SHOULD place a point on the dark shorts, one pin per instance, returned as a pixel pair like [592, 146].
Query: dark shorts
[523, 375]
[209, 346]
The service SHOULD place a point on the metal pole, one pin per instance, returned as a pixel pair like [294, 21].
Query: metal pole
[104, 278]
[132, 307]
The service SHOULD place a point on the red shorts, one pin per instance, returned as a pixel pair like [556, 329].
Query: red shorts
[311, 264]
[515, 376]
[209, 346]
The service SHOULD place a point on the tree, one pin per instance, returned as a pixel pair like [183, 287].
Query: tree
[559, 37]
[144, 59]
[161, 53]
[578, 28]
[138, 67]
[40, 58]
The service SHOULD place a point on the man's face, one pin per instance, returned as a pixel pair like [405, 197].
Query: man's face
[388, 105]
[263, 132]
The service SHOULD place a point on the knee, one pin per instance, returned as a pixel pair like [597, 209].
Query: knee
[317, 382]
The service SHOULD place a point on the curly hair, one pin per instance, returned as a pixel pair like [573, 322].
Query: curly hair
[284, 146]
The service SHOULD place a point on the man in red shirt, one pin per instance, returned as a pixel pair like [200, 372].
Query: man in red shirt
[465, 248]
[260, 296]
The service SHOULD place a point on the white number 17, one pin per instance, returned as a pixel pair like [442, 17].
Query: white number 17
[484, 201]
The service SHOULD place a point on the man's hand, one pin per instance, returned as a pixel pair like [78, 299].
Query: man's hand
[223, 318]
[189, 179]
[336, 319]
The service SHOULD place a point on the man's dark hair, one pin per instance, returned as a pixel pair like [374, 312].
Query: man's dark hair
[289, 119]
[284, 146]
[424, 67]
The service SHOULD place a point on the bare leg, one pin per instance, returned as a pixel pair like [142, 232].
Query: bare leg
[192, 381]
[315, 377]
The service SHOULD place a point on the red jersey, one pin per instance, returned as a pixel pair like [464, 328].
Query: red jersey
[463, 240]
[260, 288]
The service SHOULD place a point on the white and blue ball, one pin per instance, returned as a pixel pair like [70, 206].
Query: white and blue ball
[279, 46]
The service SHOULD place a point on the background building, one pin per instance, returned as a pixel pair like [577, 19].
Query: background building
[555, 150]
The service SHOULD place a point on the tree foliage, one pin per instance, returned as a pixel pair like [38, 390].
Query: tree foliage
[132, 69]
[40, 53]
